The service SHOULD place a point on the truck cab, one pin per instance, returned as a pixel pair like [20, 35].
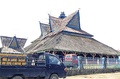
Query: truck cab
[38, 65]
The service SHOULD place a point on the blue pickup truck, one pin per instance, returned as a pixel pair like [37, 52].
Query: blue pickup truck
[37, 66]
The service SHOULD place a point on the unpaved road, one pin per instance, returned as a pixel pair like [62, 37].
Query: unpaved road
[97, 76]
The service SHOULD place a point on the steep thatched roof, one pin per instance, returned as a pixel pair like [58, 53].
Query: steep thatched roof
[65, 42]
[45, 29]
[70, 23]
[12, 44]
[67, 35]
[5, 40]
[10, 50]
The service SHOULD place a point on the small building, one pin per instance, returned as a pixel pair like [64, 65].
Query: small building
[64, 35]
[12, 44]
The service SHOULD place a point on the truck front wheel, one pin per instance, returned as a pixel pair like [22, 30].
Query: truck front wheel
[17, 77]
[54, 76]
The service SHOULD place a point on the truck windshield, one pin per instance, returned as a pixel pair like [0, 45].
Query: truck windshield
[54, 60]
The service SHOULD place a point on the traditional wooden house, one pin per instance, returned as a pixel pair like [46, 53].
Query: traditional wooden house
[64, 35]
[12, 44]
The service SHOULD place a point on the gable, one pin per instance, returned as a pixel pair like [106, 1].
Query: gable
[55, 23]
[6, 41]
[74, 23]
[45, 29]
[14, 43]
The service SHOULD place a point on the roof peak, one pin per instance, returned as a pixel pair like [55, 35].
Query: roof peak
[70, 23]
[62, 15]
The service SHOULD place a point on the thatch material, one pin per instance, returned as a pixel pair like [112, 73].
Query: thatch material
[12, 44]
[10, 50]
[45, 29]
[64, 42]
[57, 24]
[67, 35]
[7, 40]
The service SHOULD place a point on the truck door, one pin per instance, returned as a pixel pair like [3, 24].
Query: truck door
[37, 62]
[55, 66]
[40, 63]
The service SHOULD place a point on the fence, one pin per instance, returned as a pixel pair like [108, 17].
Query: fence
[98, 63]
[92, 63]
[95, 65]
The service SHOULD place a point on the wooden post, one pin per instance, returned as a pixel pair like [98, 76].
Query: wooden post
[101, 56]
[93, 55]
[116, 60]
[113, 56]
[85, 55]
[108, 60]
[98, 61]
[86, 62]
[48, 51]
[64, 53]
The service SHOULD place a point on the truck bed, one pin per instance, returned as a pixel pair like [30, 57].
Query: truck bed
[38, 65]
[21, 65]
[7, 71]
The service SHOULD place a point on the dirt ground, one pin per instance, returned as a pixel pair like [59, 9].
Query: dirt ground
[115, 75]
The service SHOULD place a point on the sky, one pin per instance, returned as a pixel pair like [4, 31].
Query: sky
[100, 18]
